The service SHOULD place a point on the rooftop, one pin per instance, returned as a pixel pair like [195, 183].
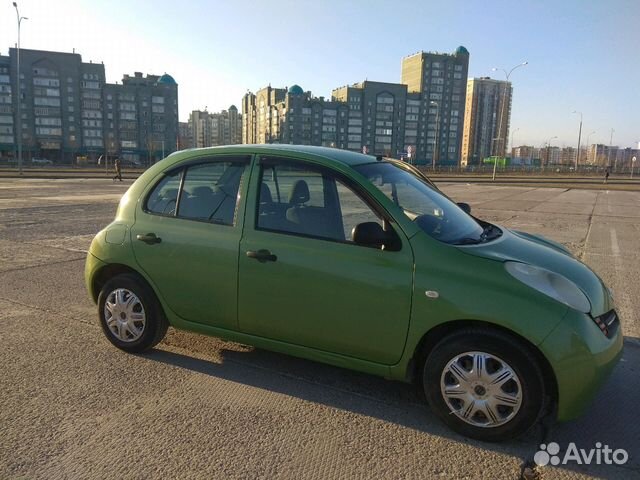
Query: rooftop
[166, 79]
[332, 154]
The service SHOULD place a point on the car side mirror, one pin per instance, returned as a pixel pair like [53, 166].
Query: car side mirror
[371, 234]
[465, 207]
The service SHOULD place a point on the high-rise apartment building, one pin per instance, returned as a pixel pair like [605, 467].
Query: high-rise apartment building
[440, 80]
[281, 115]
[624, 157]
[185, 139]
[487, 116]
[378, 117]
[382, 116]
[603, 155]
[68, 110]
[212, 129]
[526, 152]
[141, 117]
[550, 155]
[568, 156]
[367, 115]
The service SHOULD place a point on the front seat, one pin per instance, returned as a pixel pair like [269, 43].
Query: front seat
[266, 199]
[297, 212]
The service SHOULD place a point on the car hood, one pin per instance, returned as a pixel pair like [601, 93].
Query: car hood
[539, 251]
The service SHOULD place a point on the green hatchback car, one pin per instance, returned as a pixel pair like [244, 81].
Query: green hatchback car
[358, 262]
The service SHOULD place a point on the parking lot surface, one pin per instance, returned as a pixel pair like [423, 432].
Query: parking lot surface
[73, 406]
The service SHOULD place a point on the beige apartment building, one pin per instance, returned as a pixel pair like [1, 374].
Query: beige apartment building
[487, 116]
[213, 129]
[440, 80]
[291, 115]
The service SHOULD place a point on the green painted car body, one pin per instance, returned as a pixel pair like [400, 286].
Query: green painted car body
[347, 305]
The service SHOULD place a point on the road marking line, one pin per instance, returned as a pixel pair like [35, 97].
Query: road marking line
[615, 248]
[622, 295]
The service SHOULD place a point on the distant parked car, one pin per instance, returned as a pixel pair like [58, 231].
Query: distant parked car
[41, 162]
[130, 163]
[359, 262]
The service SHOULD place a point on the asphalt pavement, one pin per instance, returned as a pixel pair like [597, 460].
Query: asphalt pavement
[73, 406]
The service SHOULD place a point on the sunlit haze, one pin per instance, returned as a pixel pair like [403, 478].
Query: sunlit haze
[582, 54]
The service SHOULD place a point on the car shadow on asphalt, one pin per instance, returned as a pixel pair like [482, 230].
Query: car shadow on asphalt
[389, 401]
[607, 421]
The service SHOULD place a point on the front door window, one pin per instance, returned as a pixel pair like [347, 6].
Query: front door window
[302, 200]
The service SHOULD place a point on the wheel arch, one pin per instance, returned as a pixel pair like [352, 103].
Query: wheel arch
[430, 339]
[109, 271]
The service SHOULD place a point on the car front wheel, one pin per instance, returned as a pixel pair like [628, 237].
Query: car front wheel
[130, 315]
[484, 384]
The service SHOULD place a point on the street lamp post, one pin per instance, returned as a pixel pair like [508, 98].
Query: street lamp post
[513, 135]
[609, 149]
[18, 93]
[579, 135]
[504, 100]
[589, 144]
[435, 140]
[633, 162]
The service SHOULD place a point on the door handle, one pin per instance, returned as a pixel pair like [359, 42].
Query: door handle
[149, 238]
[262, 255]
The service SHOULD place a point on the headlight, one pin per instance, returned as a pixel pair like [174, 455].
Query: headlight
[551, 284]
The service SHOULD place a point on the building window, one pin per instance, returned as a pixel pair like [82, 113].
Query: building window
[46, 82]
[92, 85]
[50, 102]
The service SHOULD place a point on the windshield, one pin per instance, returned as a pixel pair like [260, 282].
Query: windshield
[429, 209]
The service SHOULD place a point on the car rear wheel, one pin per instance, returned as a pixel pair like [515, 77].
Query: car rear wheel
[130, 314]
[484, 384]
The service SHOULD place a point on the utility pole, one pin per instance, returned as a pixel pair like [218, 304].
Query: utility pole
[19, 93]
[504, 99]
[589, 147]
[609, 149]
[579, 137]
[513, 133]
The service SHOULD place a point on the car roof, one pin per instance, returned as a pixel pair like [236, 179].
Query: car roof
[343, 156]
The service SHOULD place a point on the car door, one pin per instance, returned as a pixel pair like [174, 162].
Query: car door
[186, 238]
[303, 281]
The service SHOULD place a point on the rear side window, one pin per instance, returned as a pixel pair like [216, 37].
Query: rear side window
[164, 197]
[210, 192]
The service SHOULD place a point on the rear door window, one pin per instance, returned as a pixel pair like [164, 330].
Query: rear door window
[164, 197]
[210, 192]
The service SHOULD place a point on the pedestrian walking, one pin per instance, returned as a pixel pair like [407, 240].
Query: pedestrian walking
[607, 171]
[118, 168]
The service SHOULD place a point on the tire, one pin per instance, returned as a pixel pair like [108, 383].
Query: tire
[495, 387]
[133, 320]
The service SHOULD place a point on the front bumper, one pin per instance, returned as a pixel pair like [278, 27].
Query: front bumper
[582, 358]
